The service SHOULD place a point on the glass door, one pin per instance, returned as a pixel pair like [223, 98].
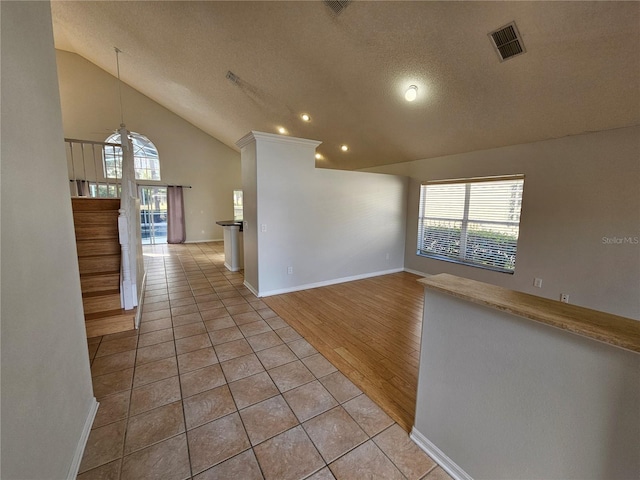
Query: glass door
[153, 214]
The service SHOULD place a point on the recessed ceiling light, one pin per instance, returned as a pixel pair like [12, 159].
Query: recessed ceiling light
[305, 117]
[319, 156]
[411, 94]
[344, 148]
[282, 130]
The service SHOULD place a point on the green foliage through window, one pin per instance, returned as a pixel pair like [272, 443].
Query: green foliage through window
[475, 222]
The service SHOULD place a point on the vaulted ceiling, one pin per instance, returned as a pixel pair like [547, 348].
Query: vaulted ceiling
[349, 71]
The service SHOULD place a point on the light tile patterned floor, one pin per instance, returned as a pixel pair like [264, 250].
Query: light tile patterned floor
[215, 385]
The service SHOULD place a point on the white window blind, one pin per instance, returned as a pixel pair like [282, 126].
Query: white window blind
[473, 221]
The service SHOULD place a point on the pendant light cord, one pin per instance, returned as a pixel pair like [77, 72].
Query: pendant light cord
[118, 51]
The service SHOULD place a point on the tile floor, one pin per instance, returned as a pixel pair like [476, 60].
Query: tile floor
[214, 385]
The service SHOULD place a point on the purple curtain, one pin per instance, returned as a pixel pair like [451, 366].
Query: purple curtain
[175, 215]
[82, 187]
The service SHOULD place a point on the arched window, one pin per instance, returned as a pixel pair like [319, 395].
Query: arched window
[145, 158]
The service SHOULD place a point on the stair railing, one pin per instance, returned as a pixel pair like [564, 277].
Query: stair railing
[93, 171]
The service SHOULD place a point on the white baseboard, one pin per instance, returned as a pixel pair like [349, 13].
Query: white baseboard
[228, 267]
[441, 459]
[326, 283]
[251, 289]
[415, 272]
[82, 443]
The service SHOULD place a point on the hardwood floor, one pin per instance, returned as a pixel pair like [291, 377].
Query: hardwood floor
[370, 330]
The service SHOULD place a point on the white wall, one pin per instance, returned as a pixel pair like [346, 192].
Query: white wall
[328, 225]
[577, 190]
[47, 397]
[250, 214]
[188, 156]
[505, 397]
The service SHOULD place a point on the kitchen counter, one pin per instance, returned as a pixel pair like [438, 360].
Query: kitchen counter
[233, 244]
[230, 223]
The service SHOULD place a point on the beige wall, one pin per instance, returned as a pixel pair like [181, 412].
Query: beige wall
[508, 398]
[328, 226]
[47, 397]
[579, 191]
[188, 156]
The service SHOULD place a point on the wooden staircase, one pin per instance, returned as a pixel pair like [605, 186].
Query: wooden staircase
[96, 227]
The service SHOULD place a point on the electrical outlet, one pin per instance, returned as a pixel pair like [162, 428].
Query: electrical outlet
[289, 270]
[537, 282]
[564, 297]
[263, 227]
[387, 256]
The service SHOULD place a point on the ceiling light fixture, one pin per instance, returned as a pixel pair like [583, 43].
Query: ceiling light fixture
[282, 130]
[411, 94]
[319, 156]
[344, 148]
[305, 117]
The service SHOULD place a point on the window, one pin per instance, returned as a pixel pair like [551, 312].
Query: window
[472, 221]
[104, 190]
[145, 158]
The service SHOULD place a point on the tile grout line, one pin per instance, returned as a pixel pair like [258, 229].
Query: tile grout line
[192, 281]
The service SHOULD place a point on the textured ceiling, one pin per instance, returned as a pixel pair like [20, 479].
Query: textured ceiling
[580, 73]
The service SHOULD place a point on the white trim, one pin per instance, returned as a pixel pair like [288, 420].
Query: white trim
[141, 301]
[82, 442]
[441, 459]
[231, 269]
[329, 282]
[251, 289]
[273, 137]
[416, 272]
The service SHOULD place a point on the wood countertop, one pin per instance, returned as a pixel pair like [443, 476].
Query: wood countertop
[612, 329]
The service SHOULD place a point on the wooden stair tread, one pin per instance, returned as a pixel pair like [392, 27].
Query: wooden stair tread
[100, 282]
[96, 216]
[99, 256]
[107, 314]
[113, 251]
[95, 232]
[97, 274]
[101, 293]
[99, 263]
[95, 204]
[101, 303]
[119, 322]
[113, 238]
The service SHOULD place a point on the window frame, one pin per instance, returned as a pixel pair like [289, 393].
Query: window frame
[460, 252]
[141, 163]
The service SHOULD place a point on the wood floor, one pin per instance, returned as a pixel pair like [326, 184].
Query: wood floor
[370, 330]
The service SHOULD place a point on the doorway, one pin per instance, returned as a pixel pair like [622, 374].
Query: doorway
[153, 214]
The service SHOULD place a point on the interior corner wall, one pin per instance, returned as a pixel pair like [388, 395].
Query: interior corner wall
[328, 226]
[188, 156]
[47, 397]
[580, 222]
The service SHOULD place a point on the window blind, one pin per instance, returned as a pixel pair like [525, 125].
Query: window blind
[472, 221]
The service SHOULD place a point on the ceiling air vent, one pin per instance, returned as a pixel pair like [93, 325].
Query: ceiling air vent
[507, 41]
[337, 6]
[232, 77]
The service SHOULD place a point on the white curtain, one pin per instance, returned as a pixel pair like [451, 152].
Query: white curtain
[175, 215]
